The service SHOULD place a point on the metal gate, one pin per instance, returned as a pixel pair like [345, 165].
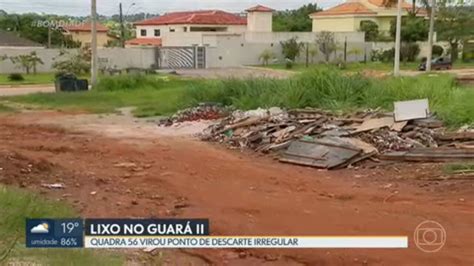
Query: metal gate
[181, 57]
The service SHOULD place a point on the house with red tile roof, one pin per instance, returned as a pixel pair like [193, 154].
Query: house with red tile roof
[81, 32]
[189, 27]
[347, 16]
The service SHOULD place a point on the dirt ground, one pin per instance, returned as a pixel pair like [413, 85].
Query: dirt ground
[116, 166]
[25, 89]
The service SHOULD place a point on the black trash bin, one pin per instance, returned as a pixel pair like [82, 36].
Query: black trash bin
[82, 85]
[70, 83]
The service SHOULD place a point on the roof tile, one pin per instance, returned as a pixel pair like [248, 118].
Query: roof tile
[196, 17]
[348, 8]
[145, 42]
[260, 8]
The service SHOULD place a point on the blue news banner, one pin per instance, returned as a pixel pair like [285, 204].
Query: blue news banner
[70, 233]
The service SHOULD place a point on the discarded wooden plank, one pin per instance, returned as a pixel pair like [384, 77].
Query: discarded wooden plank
[430, 155]
[462, 136]
[429, 122]
[356, 159]
[398, 126]
[247, 122]
[374, 123]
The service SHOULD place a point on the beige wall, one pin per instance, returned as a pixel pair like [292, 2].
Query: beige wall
[270, 38]
[85, 38]
[232, 51]
[339, 24]
[260, 21]
[384, 23]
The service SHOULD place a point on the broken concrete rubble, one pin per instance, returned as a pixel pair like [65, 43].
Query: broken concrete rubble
[322, 139]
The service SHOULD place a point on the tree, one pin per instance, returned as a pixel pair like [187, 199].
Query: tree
[313, 52]
[291, 48]
[77, 63]
[414, 29]
[27, 62]
[454, 24]
[371, 30]
[266, 56]
[36, 27]
[326, 43]
[295, 20]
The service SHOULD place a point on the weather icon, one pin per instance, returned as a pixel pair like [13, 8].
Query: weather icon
[40, 229]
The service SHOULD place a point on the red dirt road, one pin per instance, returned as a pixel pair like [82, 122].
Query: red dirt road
[241, 194]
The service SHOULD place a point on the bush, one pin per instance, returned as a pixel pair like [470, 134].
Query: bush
[266, 56]
[328, 88]
[130, 82]
[468, 52]
[409, 52]
[291, 48]
[371, 30]
[16, 77]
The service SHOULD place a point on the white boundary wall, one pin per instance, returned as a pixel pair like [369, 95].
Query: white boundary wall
[119, 58]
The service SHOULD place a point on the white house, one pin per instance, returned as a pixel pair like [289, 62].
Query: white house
[189, 27]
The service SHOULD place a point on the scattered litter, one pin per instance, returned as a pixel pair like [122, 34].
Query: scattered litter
[318, 138]
[204, 111]
[54, 186]
[126, 165]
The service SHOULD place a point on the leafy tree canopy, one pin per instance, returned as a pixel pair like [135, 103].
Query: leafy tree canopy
[295, 20]
[454, 23]
[413, 29]
[371, 30]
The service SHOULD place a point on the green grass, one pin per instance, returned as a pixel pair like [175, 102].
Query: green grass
[329, 89]
[32, 79]
[356, 67]
[325, 88]
[5, 109]
[40, 78]
[459, 168]
[15, 206]
[152, 95]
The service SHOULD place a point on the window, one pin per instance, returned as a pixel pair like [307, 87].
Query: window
[142, 32]
[185, 29]
[172, 30]
[157, 33]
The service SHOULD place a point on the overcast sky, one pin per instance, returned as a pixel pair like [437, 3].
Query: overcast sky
[109, 7]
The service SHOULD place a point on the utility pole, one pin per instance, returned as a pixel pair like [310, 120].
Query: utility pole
[345, 49]
[396, 67]
[307, 54]
[122, 29]
[49, 36]
[94, 43]
[430, 36]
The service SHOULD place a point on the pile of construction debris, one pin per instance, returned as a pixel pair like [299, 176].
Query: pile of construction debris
[317, 138]
[204, 111]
